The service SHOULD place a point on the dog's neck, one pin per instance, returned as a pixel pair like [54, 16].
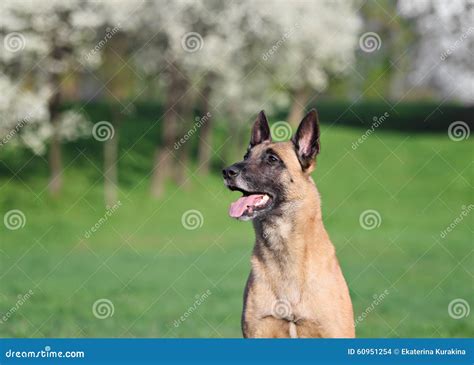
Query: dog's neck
[286, 240]
[292, 225]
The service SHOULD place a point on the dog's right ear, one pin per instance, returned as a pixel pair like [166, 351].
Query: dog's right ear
[260, 130]
[306, 140]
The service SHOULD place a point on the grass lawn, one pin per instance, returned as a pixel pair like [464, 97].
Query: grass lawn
[152, 269]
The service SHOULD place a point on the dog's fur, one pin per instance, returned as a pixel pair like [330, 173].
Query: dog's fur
[296, 287]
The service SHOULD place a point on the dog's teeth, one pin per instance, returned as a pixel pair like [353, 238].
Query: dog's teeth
[263, 200]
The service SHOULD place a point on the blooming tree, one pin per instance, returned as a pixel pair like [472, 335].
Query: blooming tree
[445, 43]
[238, 57]
[44, 43]
[184, 45]
[22, 116]
[312, 41]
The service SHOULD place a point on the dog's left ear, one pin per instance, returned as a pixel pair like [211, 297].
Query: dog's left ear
[306, 140]
[260, 130]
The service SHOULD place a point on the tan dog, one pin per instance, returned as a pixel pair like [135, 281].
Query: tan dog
[296, 287]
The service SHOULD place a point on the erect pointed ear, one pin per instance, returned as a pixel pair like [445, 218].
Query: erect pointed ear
[260, 130]
[306, 139]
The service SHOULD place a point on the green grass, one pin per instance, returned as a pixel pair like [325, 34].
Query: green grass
[152, 268]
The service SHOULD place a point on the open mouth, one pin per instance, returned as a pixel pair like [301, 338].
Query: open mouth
[249, 204]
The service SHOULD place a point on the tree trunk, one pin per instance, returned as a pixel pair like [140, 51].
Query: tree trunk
[55, 164]
[182, 151]
[181, 161]
[162, 166]
[300, 99]
[55, 156]
[205, 135]
[163, 159]
[236, 145]
[111, 147]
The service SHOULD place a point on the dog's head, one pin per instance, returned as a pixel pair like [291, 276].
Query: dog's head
[273, 173]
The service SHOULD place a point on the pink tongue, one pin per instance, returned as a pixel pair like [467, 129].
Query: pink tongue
[238, 207]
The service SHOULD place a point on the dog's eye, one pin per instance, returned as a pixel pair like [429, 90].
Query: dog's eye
[272, 158]
[246, 156]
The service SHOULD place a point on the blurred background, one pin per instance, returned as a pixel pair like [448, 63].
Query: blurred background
[116, 118]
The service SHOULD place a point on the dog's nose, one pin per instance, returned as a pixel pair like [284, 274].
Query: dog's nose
[230, 172]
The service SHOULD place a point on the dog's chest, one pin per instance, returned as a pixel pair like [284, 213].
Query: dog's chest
[283, 287]
[283, 291]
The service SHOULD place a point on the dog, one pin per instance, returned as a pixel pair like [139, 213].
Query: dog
[296, 287]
